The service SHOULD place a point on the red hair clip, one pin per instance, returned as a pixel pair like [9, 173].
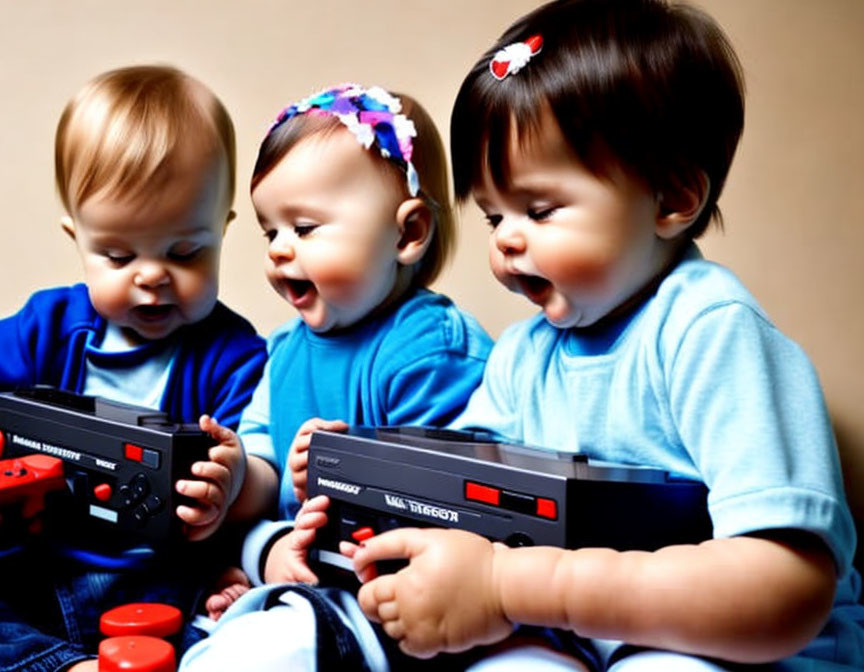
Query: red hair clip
[512, 58]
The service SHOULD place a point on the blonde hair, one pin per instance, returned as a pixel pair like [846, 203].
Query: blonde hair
[121, 131]
[428, 158]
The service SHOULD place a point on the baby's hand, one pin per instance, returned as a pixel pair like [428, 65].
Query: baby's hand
[231, 585]
[298, 459]
[220, 480]
[445, 600]
[287, 560]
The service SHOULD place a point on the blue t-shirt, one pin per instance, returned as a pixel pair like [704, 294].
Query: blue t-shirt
[417, 364]
[696, 381]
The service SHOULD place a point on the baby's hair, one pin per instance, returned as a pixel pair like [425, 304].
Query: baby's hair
[428, 158]
[119, 134]
[653, 87]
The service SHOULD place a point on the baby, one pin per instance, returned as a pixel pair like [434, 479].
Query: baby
[145, 164]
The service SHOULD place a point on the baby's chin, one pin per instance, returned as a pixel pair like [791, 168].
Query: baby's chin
[560, 314]
[143, 334]
[326, 318]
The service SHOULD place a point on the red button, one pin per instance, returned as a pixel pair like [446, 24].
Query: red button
[362, 534]
[2, 442]
[141, 618]
[133, 452]
[547, 508]
[136, 654]
[103, 492]
[482, 493]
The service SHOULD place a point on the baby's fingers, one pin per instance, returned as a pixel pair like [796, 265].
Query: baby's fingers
[388, 611]
[374, 593]
[197, 516]
[298, 460]
[206, 493]
[394, 629]
[212, 471]
[212, 427]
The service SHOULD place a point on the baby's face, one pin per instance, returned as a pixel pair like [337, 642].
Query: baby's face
[151, 263]
[575, 244]
[328, 211]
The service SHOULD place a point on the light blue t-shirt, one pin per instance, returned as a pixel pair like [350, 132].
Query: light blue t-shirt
[696, 381]
[417, 364]
[134, 375]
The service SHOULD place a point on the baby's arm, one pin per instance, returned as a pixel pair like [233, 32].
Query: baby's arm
[746, 599]
[298, 458]
[259, 492]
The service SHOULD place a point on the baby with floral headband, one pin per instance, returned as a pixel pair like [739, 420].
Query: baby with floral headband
[351, 192]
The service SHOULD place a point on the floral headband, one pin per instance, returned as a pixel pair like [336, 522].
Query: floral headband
[374, 117]
[512, 58]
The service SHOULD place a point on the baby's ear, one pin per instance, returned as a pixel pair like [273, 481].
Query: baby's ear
[416, 226]
[68, 225]
[678, 208]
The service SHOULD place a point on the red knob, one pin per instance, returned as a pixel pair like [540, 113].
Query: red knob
[362, 534]
[103, 492]
[136, 654]
[140, 618]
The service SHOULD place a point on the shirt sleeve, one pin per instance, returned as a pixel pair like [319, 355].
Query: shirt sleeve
[257, 544]
[30, 340]
[239, 369]
[749, 409]
[254, 429]
[15, 364]
[432, 390]
[493, 406]
[429, 366]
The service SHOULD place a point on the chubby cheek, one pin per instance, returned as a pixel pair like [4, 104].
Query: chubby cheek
[108, 306]
[198, 297]
[108, 293]
[343, 280]
[576, 265]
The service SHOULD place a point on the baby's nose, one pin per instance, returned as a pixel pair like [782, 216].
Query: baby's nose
[281, 249]
[509, 238]
[151, 274]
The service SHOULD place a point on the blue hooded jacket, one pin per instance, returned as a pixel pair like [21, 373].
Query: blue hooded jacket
[217, 367]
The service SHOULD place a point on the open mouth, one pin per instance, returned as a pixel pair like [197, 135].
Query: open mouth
[535, 288]
[299, 291]
[153, 313]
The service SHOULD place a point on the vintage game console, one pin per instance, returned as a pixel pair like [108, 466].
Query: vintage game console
[382, 478]
[119, 464]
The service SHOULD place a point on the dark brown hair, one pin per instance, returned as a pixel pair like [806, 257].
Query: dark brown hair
[428, 158]
[654, 86]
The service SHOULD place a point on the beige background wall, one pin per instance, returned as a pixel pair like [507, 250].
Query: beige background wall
[794, 204]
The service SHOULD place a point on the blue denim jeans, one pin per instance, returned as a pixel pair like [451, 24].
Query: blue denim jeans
[50, 605]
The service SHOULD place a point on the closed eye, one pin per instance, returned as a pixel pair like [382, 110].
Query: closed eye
[493, 220]
[119, 260]
[184, 254]
[303, 230]
[541, 214]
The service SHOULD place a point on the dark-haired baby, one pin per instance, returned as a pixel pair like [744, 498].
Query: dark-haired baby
[596, 137]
